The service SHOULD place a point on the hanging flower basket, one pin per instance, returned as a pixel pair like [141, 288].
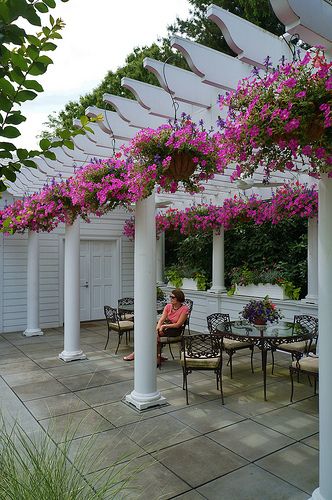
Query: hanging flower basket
[181, 167]
[281, 120]
[181, 151]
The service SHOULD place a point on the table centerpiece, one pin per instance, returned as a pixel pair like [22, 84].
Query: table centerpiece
[259, 312]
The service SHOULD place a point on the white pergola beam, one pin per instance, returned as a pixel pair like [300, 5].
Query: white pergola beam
[112, 123]
[132, 112]
[312, 20]
[156, 100]
[251, 43]
[185, 85]
[213, 67]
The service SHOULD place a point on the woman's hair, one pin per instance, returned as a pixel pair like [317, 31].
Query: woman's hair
[179, 295]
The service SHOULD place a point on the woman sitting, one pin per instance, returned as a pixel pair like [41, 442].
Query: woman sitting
[172, 319]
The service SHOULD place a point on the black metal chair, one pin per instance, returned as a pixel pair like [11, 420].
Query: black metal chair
[165, 340]
[116, 324]
[307, 365]
[126, 301]
[201, 352]
[189, 303]
[229, 346]
[308, 324]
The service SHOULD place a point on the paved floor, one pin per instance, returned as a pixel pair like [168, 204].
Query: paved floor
[247, 449]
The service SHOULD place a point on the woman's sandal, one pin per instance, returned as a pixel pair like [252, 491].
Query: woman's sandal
[130, 357]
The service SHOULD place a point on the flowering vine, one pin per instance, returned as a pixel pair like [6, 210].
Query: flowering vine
[288, 201]
[281, 120]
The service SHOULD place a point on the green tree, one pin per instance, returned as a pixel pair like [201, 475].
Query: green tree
[23, 57]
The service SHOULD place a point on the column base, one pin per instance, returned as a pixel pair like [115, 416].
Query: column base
[71, 356]
[218, 289]
[33, 332]
[317, 496]
[310, 299]
[144, 401]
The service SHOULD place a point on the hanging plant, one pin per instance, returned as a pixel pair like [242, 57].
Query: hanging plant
[281, 120]
[179, 152]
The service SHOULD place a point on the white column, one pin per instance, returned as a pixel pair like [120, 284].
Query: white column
[160, 258]
[218, 263]
[33, 287]
[145, 392]
[324, 492]
[312, 294]
[72, 348]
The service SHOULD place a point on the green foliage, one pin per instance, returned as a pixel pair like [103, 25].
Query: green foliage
[22, 55]
[174, 276]
[160, 294]
[254, 247]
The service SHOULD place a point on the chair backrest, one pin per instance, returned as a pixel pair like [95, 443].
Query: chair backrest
[308, 323]
[214, 320]
[125, 301]
[111, 314]
[189, 303]
[201, 346]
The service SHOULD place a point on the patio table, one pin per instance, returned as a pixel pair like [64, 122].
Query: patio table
[266, 337]
[130, 308]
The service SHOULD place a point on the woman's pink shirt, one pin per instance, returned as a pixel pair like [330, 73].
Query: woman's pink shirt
[173, 316]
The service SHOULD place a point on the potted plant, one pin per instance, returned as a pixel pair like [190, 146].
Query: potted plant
[259, 312]
[184, 277]
[261, 282]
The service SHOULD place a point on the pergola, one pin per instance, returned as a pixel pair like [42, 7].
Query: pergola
[196, 93]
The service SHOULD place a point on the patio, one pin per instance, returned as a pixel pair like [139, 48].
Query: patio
[247, 449]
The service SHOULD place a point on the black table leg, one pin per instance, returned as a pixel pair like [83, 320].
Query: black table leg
[264, 362]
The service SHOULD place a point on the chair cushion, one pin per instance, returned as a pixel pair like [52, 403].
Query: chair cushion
[169, 340]
[200, 363]
[235, 344]
[293, 346]
[127, 317]
[307, 364]
[124, 325]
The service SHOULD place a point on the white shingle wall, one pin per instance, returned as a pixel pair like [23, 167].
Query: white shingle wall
[13, 270]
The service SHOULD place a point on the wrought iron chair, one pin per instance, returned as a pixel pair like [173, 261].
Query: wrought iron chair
[189, 303]
[175, 340]
[301, 348]
[201, 352]
[229, 346]
[307, 365]
[116, 324]
[126, 301]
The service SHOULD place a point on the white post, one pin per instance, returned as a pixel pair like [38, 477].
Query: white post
[33, 287]
[218, 263]
[145, 392]
[72, 349]
[324, 492]
[312, 294]
[160, 258]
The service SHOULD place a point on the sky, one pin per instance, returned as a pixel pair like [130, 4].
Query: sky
[98, 36]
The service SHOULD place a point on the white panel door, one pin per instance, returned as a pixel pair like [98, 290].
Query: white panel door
[102, 276]
[85, 294]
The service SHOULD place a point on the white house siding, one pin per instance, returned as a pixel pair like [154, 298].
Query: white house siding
[13, 269]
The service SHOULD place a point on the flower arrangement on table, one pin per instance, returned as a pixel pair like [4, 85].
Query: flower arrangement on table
[259, 312]
[176, 152]
[281, 119]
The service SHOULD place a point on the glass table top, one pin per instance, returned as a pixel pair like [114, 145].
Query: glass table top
[283, 329]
